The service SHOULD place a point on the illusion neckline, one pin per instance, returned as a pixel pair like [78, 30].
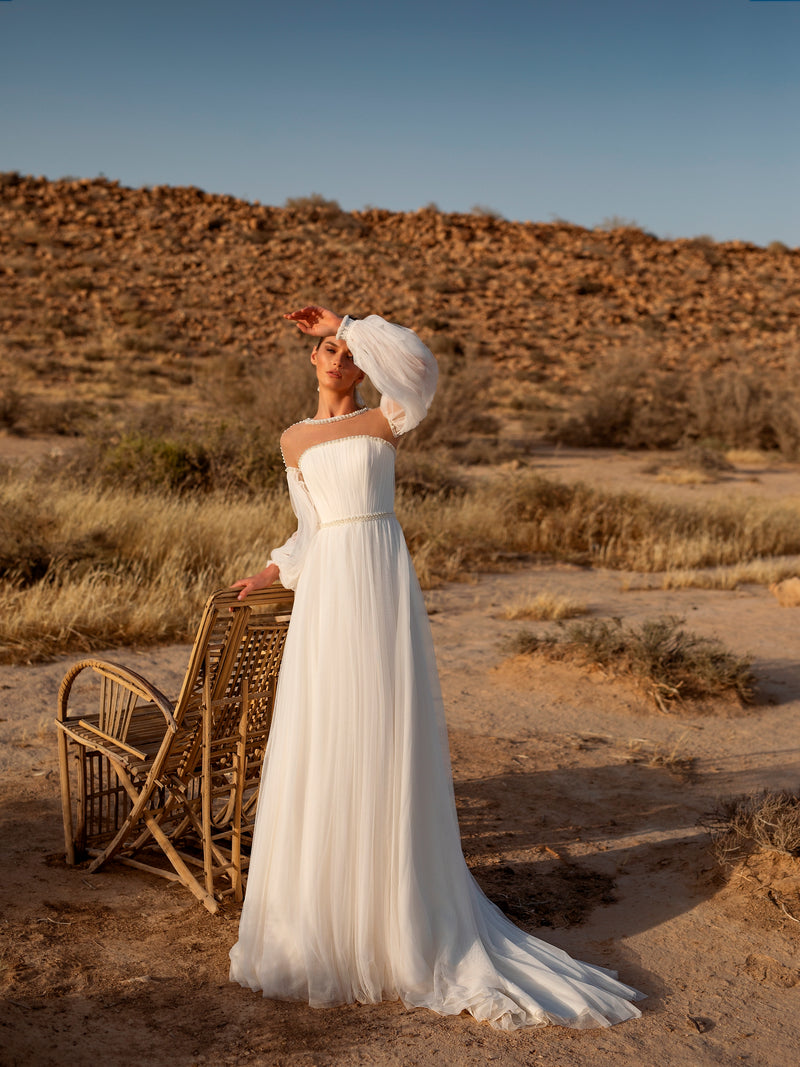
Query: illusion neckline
[337, 418]
[335, 440]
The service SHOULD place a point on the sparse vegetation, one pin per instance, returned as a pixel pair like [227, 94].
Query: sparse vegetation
[672, 757]
[752, 822]
[75, 525]
[757, 572]
[544, 606]
[634, 402]
[669, 661]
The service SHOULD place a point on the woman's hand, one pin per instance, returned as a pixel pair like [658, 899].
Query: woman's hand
[315, 321]
[262, 580]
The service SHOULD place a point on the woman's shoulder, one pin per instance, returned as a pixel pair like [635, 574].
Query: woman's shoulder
[294, 432]
[292, 442]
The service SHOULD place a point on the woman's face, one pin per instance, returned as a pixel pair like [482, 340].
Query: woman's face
[335, 366]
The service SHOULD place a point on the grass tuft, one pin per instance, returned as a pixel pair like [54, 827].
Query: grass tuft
[672, 758]
[672, 663]
[544, 606]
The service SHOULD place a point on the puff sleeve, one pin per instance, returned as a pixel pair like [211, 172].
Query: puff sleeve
[399, 365]
[290, 557]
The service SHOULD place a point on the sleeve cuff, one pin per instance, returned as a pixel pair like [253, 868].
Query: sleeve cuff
[344, 328]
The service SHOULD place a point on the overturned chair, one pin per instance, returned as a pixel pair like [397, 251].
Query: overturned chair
[171, 787]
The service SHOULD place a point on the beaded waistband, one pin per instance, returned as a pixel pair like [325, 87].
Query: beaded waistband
[356, 518]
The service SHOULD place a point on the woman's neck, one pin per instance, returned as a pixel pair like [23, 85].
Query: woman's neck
[332, 404]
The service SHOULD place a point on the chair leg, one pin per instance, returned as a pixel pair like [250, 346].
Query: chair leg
[66, 799]
[241, 770]
[183, 872]
[208, 857]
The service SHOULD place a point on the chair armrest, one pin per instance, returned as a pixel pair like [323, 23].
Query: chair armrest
[123, 676]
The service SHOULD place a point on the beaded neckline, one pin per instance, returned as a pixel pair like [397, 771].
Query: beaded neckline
[338, 418]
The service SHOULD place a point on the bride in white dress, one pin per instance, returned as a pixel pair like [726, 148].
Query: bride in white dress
[358, 889]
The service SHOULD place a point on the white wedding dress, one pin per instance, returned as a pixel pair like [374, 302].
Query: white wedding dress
[357, 888]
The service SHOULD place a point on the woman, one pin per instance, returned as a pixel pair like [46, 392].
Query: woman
[358, 889]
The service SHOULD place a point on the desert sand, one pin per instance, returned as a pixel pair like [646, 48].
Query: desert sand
[569, 821]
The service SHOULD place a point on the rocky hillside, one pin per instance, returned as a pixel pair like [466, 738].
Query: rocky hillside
[111, 293]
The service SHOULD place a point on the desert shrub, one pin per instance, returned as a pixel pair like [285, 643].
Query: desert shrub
[486, 212]
[747, 409]
[634, 404]
[315, 204]
[421, 475]
[630, 403]
[142, 462]
[752, 822]
[327, 214]
[670, 661]
[618, 222]
[454, 417]
[23, 414]
[224, 456]
[671, 757]
[12, 409]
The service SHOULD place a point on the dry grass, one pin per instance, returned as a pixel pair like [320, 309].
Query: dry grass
[544, 606]
[754, 822]
[82, 560]
[692, 465]
[87, 568]
[751, 457]
[670, 662]
[672, 757]
[502, 521]
[755, 572]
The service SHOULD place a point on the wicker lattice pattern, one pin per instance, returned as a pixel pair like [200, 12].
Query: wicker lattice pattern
[168, 786]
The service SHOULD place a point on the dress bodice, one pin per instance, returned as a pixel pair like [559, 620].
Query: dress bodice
[349, 477]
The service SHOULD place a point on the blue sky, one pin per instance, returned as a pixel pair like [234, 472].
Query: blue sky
[681, 115]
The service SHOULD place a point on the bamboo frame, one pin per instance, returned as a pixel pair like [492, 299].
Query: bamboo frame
[143, 777]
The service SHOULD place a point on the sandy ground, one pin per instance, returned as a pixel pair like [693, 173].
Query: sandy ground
[566, 821]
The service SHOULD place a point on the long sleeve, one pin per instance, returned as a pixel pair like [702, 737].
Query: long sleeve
[399, 365]
[290, 557]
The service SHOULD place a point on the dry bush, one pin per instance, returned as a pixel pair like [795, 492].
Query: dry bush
[156, 447]
[629, 402]
[454, 419]
[672, 758]
[752, 822]
[669, 661]
[227, 457]
[692, 464]
[632, 402]
[27, 413]
[544, 606]
[423, 475]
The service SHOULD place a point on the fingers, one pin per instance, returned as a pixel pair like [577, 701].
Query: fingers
[247, 585]
[306, 318]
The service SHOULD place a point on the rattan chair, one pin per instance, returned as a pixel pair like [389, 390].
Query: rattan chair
[171, 787]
